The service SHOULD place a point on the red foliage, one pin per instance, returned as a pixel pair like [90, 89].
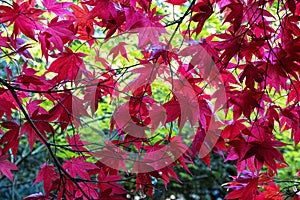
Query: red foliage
[250, 64]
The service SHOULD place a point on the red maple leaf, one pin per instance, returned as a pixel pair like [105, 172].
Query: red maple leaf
[119, 49]
[109, 182]
[77, 144]
[82, 15]
[244, 102]
[58, 33]
[24, 17]
[6, 107]
[36, 196]
[157, 115]
[28, 79]
[291, 118]
[40, 118]
[103, 9]
[233, 130]
[251, 73]
[11, 138]
[88, 188]
[245, 188]
[176, 2]
[149, 29]
[78, 166]
[233, 14]
[48, 175]
[6, 167]
[168, 172]
[201, 145]
[60, 9]
[203, 11]
[3, 41]
[173, 110]
[67, 109]
[67, 65]
[294, 95]
[84, 23]
[265, 153]
[143, 180]
[112, 155]
[271, 191]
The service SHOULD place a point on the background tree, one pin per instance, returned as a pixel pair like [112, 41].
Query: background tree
[114, 99]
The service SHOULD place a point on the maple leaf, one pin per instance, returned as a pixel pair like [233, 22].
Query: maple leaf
[48, 175]
[245, 187]
[203, 11]
[68, 108]
[77, 144]
[106, 85]
[34, 107]
[184, 159]
[176, 2]
[58, 33]
[294, 94]
[276, 77]
[173, 110]
[251, 73]
[11, 138]
[271, 191]
[143, 180]
[147, 74]
[40, 118]
[119, 49]
[168, 172]
[101, 60]
[233, 130]
[24, 17]
[36, 196]
[28, 79]
[185, 106]
[178, 147]
[103, 9]
[197, 143]
[233, 14]
[108, 195]
[82, 15]
[149, 29]
[198, 56]
[84, 23]
[157, 115]
[109, 182]
[133, 122]
[115, 24]
[237, 150]
[291, 118]
[138, 142]
[3, 41]
[68, 189]
[77, 166]
[112, 155]
[6, 167]
[67, 65]
[265, 153]
[58, 8]
[252, 65]
[244, 101]
[88, 188]
[230, 45]
[6, 107]
[20, 47]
